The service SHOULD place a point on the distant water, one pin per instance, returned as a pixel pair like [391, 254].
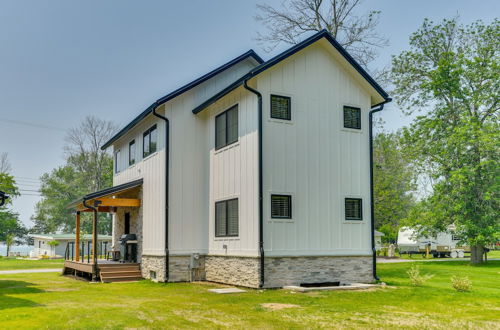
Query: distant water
[24, 249]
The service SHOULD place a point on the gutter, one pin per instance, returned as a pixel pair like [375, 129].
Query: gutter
[261, 211]
[167, 180]
[372, 206]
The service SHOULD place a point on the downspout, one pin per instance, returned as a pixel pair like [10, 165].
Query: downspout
[372, 206]
[261, 211]
[167, 179]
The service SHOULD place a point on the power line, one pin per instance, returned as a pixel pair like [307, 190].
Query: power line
[18, 122]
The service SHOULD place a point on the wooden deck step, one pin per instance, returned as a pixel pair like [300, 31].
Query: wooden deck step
[120, 272]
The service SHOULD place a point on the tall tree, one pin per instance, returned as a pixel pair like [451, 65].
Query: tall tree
[11, 229]
[356, 33]
[452, 72]
[87, 169]
[394, 183]
[5, 166]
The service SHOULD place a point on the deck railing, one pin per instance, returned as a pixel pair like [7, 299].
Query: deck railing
[86, 251]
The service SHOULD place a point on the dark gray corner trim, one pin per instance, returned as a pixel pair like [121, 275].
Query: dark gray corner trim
[289, 52]
[249, 54]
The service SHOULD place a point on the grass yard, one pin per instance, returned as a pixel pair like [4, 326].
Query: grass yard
[13, 263]
[48, 300]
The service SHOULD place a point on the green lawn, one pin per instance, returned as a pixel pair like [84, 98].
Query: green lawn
[49, 300]
[491, 254]
[13, 263]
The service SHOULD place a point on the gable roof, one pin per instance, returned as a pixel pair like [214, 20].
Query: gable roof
[250, 54]
[289, 52]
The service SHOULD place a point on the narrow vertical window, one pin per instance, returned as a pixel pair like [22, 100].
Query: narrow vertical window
[353, 209]
[281, 206]
[149, 142]
[131, 153]
[227, 218]
[281, 107]
[352, 117]
[117, 161]
[226, 128]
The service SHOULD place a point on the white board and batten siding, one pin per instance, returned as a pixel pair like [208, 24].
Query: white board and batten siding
[234, 174]
[314, 159]
[190, 149]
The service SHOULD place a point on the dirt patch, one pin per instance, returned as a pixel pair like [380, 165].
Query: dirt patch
[277, 307]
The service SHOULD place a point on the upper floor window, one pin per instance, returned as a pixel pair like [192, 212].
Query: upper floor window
[352, 117]
[226, 218]
[281, 107]
[226, 128]
[117, 161]
[149, 142]
[353, 209]
[281, 206]
[131, 152]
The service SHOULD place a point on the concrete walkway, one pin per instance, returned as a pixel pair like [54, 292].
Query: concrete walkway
[389, 261]
[21, 271]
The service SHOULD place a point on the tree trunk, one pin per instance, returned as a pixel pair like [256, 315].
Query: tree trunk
[476, 254]
[8, 250]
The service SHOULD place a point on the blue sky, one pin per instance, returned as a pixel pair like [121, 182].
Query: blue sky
[61, 60]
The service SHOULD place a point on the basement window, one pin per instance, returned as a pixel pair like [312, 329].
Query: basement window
[353, 209]
[226, 218]
[149, 142]
[352, 117]
[281, 206]
[281, 107]
[226, 127]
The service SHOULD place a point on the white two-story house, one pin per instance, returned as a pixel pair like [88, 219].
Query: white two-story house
[256, 174]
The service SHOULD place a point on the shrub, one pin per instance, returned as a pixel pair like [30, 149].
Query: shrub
[461, 283]
[416, 278]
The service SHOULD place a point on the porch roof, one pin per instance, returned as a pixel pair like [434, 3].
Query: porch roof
[105, 196]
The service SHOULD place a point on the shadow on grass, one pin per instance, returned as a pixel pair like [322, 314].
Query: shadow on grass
[9, 288]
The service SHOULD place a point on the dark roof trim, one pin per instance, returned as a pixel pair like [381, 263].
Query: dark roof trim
[251, 53]
[107, 191]
[289, 52]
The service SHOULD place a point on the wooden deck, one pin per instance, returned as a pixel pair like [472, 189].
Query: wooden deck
[107, 271]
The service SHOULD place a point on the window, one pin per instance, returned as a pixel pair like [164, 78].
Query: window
[353, 209]
[131, 153]
[117, 161]
[281, 206]
[226, 218]
[149, 142]
[352, 117]
[281, 107]
[226, 128]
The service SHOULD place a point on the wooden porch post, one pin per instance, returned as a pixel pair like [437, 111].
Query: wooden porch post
[77, 236]
[94, 238]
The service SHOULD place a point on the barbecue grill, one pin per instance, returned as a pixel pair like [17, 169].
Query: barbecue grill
[128, 248]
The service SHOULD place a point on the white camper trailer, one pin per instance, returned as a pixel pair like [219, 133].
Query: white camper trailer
[444, 244]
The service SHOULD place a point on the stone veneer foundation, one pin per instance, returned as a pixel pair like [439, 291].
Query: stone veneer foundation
[283, 271]
[179, 271]
[242, 271]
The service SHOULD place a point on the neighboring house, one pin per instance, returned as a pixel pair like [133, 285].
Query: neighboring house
[43, 248]
[378, 239]
[255, 174]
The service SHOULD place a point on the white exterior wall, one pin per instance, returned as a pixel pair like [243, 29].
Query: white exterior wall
[190, 147]
[234, 174]
[314, 159]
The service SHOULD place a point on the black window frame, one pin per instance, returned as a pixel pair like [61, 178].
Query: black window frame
[147, 134]
[225, 113]
[131, 156]
[289, 206]
[117, 160]
[227, 218]
[348, 107]
[289, 118]
[360, 200]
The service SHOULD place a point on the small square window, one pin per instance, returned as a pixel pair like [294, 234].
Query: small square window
[281, 107]
[353, 209]
[352, 117]
[281, 206]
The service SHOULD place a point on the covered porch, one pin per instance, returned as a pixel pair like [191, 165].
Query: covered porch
[121, 261]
